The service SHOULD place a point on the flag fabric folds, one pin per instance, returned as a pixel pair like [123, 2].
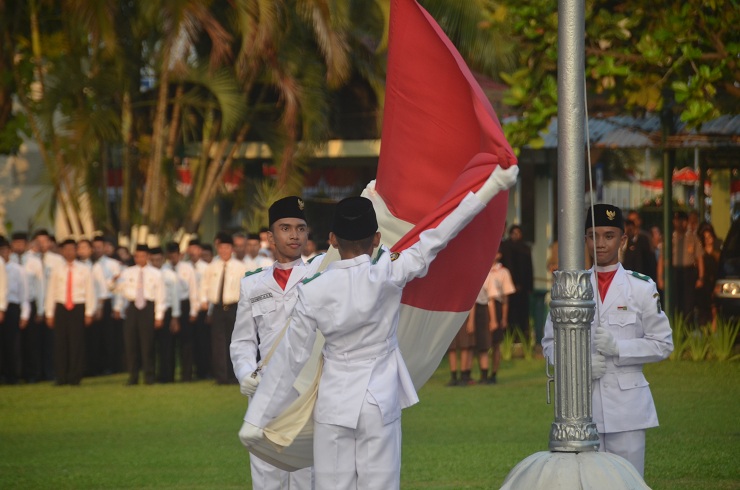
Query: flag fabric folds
[440, 140]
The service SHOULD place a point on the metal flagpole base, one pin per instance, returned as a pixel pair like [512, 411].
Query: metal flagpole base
[574, 471]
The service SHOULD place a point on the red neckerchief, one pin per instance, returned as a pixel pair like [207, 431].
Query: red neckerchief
[605, 279]
[281, 276]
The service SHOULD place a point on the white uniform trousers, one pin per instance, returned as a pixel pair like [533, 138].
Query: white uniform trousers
[267, 477]
[368, 457]
[629, 444]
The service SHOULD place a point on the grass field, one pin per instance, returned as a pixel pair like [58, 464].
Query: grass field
[105, 435]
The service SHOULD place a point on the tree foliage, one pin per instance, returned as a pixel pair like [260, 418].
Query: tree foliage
[637, 54]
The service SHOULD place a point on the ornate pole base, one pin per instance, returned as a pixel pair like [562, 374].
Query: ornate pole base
[572, 311]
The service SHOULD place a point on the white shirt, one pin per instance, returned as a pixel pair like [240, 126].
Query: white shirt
[3, 286]
[83, 289]
[210, 287]
[254, 263]
[18, 288]
[499, 283]
[35, 277]
[105, 273]
[264, 308]
[153, 289]
[187, 285]
[172, 291]
[355, 304]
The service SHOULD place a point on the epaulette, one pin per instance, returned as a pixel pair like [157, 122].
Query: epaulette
[377, 256]
[309, 279]
[314, 258]
[249, 273]
[641, 276]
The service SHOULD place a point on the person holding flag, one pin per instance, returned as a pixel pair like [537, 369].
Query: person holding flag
[364, 384]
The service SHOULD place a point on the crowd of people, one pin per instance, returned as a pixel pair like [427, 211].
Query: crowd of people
[82, 308]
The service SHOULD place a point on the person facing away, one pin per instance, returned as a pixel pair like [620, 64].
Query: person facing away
[364, 384]
[628, 330]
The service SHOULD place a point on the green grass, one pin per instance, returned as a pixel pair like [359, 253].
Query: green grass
[106, 435]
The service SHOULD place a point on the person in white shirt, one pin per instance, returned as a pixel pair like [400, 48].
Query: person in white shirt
[220, 295]
[142, 296]
[70, 306]
[31, 346]
[108, 348]
[364, 382]
[253, 258]
[201, 331]
[44, 245]
[266, 300]
[164, 336]
[499, 286]
[16, 315]
[189, 307]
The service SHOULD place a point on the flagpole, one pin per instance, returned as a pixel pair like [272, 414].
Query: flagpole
[572, 305]
[573, 461]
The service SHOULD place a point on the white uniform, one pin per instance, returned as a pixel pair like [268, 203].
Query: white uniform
[3, 287]
[258, 262]
[17, 292]
[364, 383]
[622, 402]
[105, 274]
[211, 282]
[35, 275]
[264, 308]
[83, 290]
[187, 285]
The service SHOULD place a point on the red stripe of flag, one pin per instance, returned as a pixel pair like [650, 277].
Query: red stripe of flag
[441, 139]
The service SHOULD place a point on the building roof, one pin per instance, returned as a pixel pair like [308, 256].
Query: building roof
[645, 132]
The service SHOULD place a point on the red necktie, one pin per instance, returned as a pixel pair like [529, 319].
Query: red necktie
[69, 303]
[605, 279]
[281, 276]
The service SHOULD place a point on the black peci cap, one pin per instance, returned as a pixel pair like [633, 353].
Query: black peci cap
[605, 215]
[354, 219]
[224, 237]
[287, 207]
[141, 247]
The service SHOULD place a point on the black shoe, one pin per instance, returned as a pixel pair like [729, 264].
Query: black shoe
[452, 382]
[492, 380]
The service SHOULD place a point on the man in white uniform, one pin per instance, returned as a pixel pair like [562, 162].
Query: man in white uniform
[265, 303]
[30, 336]
[630, 329]
[142, 297]
[364, 383]
[220, 295]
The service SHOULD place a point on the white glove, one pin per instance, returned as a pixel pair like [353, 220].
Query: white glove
[605, 342]
[250, 434]
[598, 366]
[249, 384]
[499, 180]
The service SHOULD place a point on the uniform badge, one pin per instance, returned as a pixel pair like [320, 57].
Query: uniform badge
[610, 215]
[657, 302]
[394, 256]
[301, 204]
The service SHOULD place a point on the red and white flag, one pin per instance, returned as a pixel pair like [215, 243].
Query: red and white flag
[440, 140]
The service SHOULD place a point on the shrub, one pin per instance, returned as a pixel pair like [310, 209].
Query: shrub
[507, 346]
[722, 341]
